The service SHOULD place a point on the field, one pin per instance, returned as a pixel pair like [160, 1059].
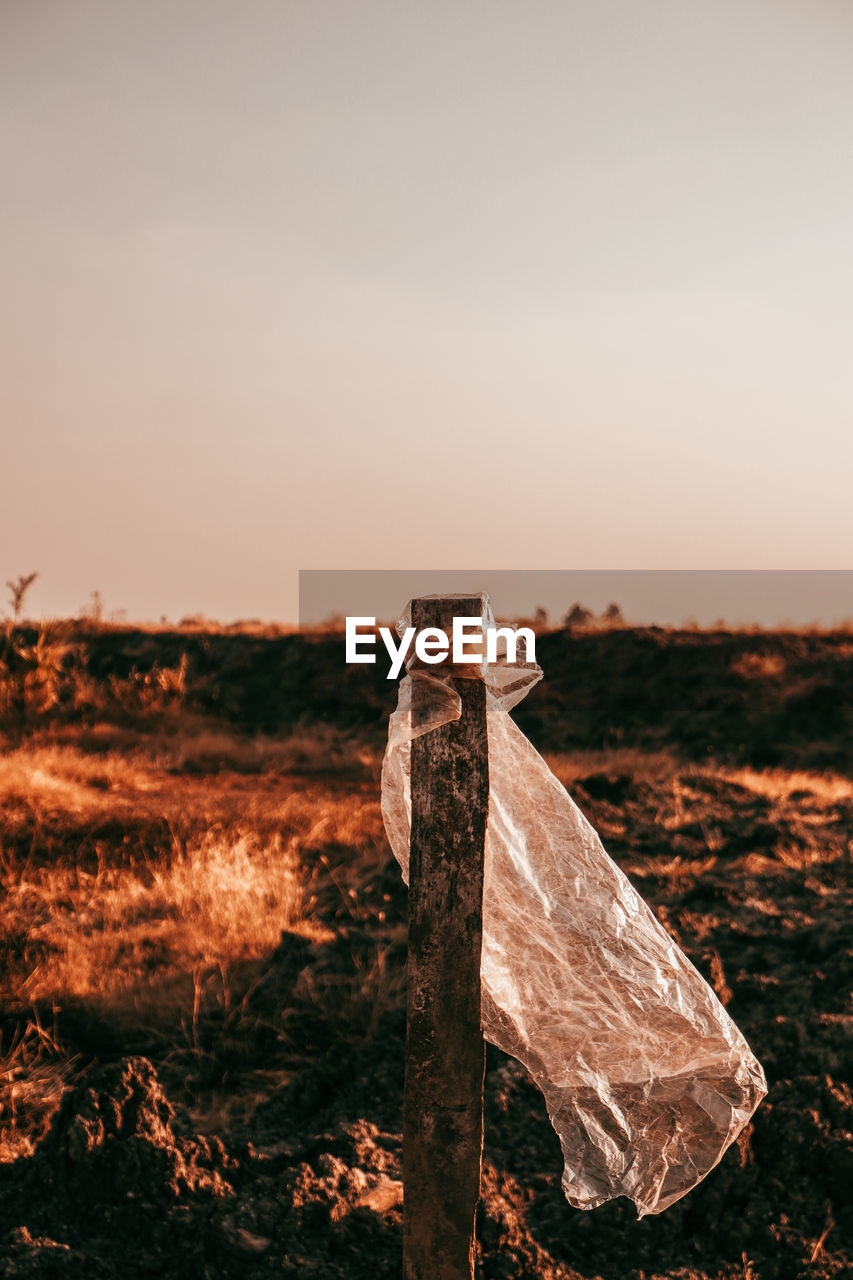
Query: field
[203, 953]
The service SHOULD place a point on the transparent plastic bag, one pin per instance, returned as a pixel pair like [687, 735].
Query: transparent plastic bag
[646, 1078]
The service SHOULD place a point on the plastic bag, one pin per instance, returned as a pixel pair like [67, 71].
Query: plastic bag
[647, 1079]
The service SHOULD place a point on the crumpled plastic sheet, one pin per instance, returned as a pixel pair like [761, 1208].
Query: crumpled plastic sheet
[646, 1078]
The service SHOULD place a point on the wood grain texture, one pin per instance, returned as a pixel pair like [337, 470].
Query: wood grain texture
[445, 1058]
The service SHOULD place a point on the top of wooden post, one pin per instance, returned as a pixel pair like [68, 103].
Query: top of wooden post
[438, 611]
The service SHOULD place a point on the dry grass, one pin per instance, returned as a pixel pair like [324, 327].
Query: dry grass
[145, 890]
[148, 877]
[191, 624]
[664, 770]
[759, 666]
[779, 784]
[658, 768]
[110, 755]
[53, 776]
[224, 896]
[34, 1072]
[661, 800]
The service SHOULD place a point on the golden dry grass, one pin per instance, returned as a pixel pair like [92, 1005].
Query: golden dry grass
[149, 897]
[777, 784]
[658, 768]
[226, 895]
[147, 879]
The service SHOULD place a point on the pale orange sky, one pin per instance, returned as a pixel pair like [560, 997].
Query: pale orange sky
[287, 285]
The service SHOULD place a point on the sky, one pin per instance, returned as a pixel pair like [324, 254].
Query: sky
[292, 285]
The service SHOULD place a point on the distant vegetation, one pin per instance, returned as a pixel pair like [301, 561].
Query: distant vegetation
[739, 697]
[579, 617]
[17, 592]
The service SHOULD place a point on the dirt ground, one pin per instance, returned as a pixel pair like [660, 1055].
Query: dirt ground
[747, 867]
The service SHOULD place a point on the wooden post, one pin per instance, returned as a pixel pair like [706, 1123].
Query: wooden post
[445, 1055]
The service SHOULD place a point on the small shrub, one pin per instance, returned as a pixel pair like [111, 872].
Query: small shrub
[158, 690]
[34, 669]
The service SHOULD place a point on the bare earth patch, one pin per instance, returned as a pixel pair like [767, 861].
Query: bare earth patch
[203, 979]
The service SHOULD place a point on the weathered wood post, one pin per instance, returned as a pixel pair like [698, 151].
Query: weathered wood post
[445, 1056]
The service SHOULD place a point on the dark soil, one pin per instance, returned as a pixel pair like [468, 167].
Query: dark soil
[755, 889]
[762, 699]
[312, 1186]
